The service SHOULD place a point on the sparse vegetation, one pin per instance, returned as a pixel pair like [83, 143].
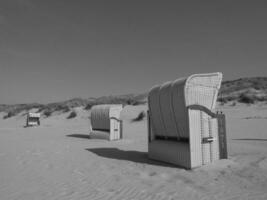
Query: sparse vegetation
[73, 114]
[63, 108]
[9, 114]
[66, 109]
[13, 110]
[121, 99]
[245, 90]
[222, 101]
[47, 113]
[89, 106]
[66, 106]
[233, 103]
[139, 117]
[245, 98]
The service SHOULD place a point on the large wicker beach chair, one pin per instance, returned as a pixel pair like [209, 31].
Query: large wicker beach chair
[183, 128]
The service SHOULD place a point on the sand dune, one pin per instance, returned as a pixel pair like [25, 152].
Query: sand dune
[58, 161]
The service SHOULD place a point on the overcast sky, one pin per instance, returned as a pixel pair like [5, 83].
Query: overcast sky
[52, 50]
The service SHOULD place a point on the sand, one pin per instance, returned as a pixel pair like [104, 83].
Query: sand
[58, 161]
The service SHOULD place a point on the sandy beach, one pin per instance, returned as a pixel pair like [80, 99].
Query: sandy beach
[58, 160]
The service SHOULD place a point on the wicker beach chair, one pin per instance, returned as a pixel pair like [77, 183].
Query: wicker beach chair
[183, 128]
[105, 121]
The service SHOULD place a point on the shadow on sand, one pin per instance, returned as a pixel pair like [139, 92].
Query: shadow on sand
[83, 136]
[134, 156]
[251, 139]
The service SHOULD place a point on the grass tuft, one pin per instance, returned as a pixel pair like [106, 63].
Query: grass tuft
[73, 114]
[139, 117]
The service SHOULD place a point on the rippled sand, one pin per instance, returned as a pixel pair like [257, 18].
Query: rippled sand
[58, 161]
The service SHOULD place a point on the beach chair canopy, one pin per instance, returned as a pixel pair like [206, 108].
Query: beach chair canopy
[169, 102]
[102, 114]
[34, 115]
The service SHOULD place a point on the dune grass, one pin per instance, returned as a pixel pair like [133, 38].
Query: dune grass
[140, 117]
[65, 106]
[73, 114]
[244, 90]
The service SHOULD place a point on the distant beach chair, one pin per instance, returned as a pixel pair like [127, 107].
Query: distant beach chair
[182, 126]
[106, 122]
[33, 119]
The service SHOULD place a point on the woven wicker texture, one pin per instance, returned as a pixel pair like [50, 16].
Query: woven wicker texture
[172, 117]
[100, 116]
